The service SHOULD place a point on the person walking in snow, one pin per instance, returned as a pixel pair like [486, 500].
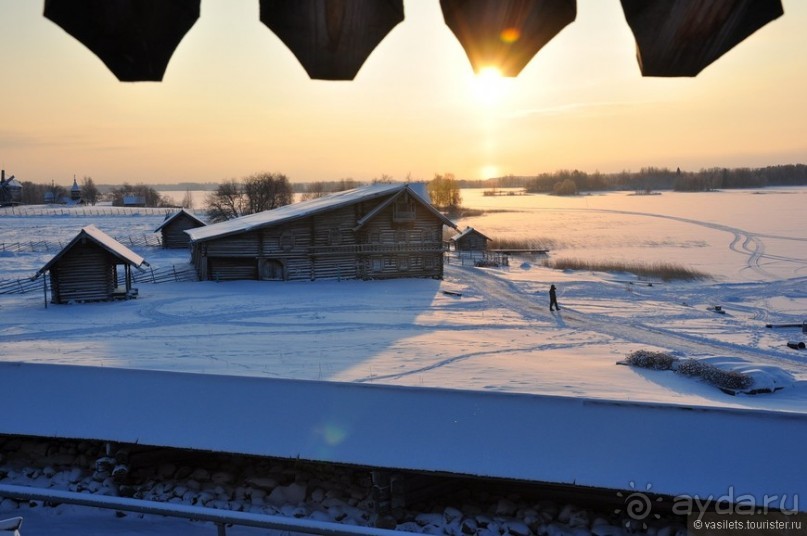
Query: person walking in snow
[553, 299]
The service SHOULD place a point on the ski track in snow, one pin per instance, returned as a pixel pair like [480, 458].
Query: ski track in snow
[751, 244]
[507, 294]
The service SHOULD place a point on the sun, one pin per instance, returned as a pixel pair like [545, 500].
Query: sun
[489, 172]
[489, 85]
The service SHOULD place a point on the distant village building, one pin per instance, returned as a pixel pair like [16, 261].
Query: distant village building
[75, 192]
[372, 232]
[174, 227]
[134, 201]
[10, 190]
[469, 240]
[87, 269]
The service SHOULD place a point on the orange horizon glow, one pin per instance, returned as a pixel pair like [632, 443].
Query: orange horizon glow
[235, 101]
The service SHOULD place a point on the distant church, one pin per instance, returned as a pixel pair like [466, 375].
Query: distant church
[74, 198]
[75, 192]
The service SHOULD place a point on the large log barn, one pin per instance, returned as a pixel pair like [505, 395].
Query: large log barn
[373, 232]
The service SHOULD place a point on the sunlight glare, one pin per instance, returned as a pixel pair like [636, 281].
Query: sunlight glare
[489, 172]
[489, 86]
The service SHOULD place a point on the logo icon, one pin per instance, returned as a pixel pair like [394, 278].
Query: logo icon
[638, 507]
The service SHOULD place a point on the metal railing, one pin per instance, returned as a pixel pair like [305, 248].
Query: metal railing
[221, 518]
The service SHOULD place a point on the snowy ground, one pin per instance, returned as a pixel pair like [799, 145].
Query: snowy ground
[499, 335]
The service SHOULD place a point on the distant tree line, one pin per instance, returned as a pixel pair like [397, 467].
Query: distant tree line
[35, 193]
[651, 178]
[140, 194]
[317, 189]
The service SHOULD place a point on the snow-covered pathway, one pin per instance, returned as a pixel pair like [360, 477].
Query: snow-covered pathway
[505, 293]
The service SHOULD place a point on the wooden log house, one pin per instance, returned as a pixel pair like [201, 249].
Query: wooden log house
[469, 240]
[86, 269]
[372, 232]
[174, 227]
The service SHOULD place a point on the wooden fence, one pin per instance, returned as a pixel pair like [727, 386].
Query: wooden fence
[19, 286]
[479, 258]
[83, 212]
[46, 246]
[166, 274]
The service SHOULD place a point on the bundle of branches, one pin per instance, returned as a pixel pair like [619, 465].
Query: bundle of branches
[728, 380]
[722, 379]
[650, 360]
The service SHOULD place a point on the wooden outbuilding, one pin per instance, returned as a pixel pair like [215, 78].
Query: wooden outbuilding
[87, 269]
[372, 232]
[174, 227]
[469, 240]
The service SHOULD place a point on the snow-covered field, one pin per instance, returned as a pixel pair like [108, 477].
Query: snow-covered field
[498, 334]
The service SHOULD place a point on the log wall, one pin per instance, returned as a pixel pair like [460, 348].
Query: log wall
[85, 273]
[392, 244]
[174, 235]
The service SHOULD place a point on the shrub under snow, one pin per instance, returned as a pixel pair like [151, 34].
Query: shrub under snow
[720, 378]
[723, 379]
[650, 360]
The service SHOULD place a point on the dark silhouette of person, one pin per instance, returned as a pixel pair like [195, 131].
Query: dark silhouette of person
[553, 299]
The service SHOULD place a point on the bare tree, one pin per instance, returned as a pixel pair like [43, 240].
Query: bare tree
[147, 195]
[255, 193]
[187, 200]
[265, 191]
[89, 192]
[383, 179]
[444, 191]
[315, 190]
[226, 203]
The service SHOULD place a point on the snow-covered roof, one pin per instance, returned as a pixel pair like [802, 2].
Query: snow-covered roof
[105, 241]
[303, 209]
[176, 215]
[466, 232]
[685, 450]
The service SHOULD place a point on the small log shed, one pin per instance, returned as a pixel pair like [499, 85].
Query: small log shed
[174, 227]
[86, 269]
[469, 240]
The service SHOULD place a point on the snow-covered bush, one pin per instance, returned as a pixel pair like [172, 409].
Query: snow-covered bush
[695, 368]
[723, 379]
[650, 360]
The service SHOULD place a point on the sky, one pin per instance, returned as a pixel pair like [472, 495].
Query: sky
[235, 101]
